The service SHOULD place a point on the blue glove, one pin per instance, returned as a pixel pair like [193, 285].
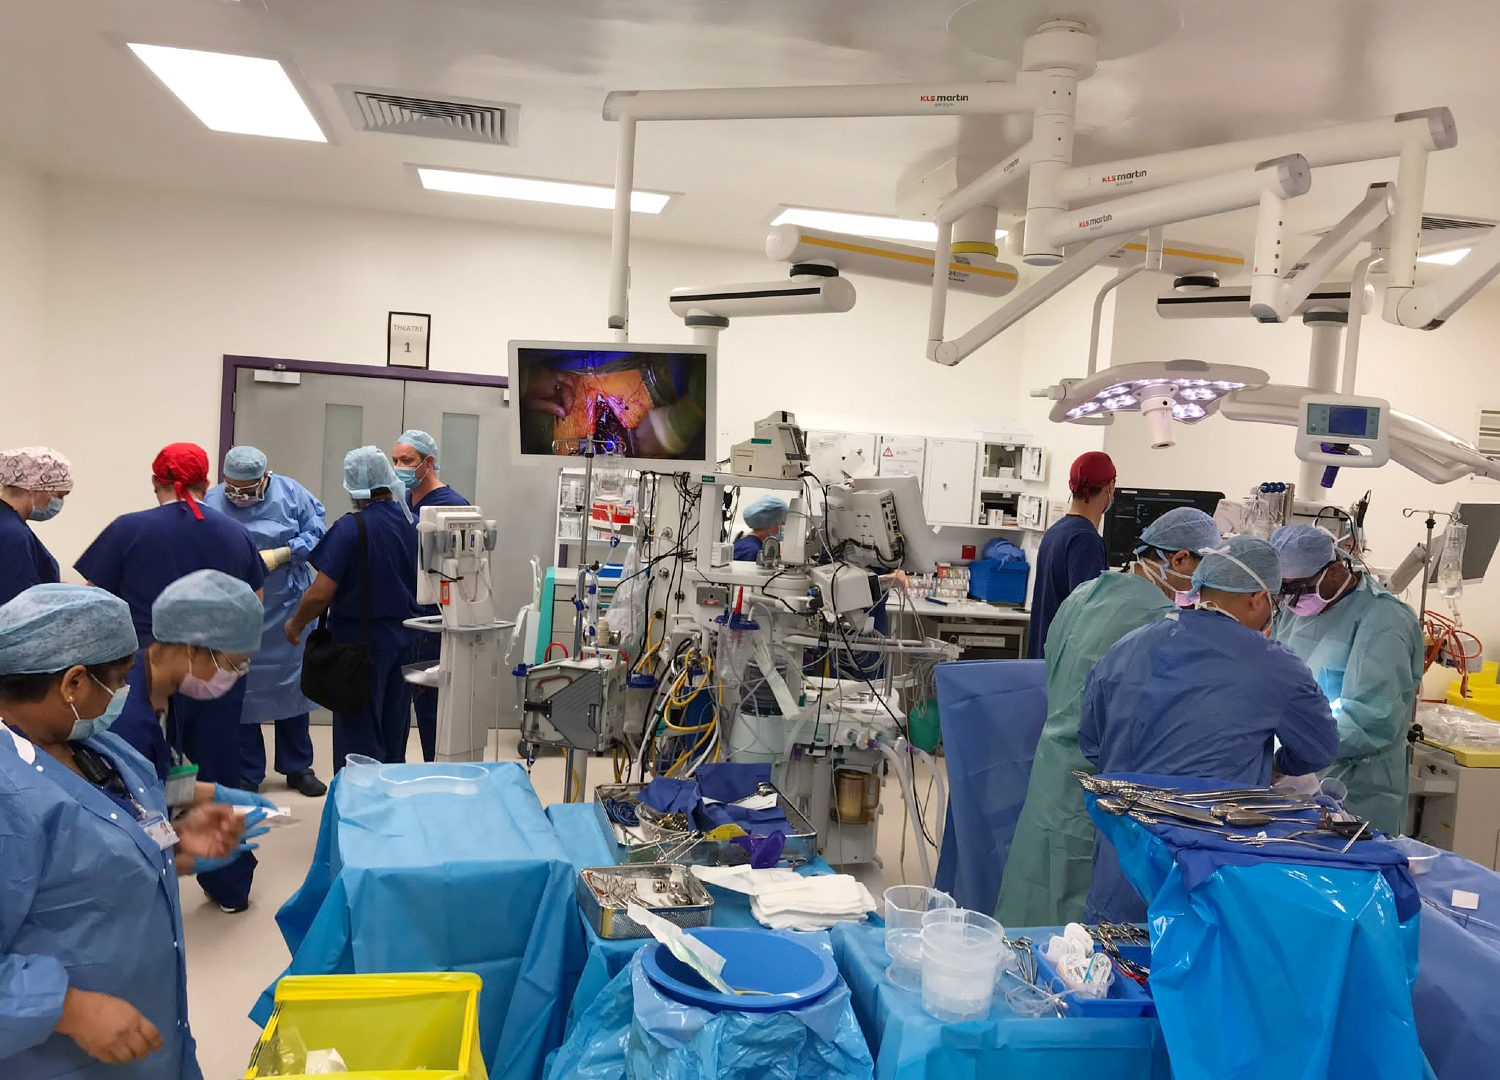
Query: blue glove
[207, 864]
[236, 797]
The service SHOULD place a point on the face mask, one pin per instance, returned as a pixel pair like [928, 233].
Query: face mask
[216, 686]
[1312, 603]
[407, 476]
[48, 512]
[1158, 572]
[84, 729]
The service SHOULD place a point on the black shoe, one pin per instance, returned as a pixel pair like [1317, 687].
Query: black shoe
[307, 783]
[227, 910]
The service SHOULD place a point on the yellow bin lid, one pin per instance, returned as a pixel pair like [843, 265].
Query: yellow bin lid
[1483, 696]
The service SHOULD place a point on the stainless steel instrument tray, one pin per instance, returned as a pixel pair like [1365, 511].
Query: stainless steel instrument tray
[636, 845]
[609, 919]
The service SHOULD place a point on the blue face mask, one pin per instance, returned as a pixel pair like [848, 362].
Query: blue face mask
[48, 512]
[85, 729]
[407, 476]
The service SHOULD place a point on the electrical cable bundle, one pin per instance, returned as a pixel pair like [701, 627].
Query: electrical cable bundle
[1443, 637]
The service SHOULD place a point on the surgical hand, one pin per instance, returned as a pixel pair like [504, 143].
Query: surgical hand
[551, 392]
[107, 1028]
[211, 831]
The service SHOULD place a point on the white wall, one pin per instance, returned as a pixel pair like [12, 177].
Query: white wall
[1445, 377]
[23, 267]
[145, 292]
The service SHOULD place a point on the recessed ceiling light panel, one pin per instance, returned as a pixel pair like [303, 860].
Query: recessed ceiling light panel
[244, 95]
[875, 226]
[529, 189]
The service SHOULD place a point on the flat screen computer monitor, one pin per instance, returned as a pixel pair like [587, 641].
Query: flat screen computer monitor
[1483, 520]
[923, 546]
[1135, 508]
[653, 406]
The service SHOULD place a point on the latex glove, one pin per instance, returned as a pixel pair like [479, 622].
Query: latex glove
[205, 864]
[276, 557]
[229, 796]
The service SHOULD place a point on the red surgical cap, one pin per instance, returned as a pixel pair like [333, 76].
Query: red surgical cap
[1089, 471]
[183, 465]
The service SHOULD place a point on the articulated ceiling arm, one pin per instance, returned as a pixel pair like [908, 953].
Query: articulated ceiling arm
[1427, 307]
[1273, 298]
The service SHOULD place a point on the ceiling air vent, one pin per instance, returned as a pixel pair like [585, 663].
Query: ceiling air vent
[1488, 442]
[463, 119]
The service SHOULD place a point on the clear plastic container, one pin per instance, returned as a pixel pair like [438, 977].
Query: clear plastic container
[961, 957]
[905, 905]
[1419, 856]
[361, 771]
[404, 781]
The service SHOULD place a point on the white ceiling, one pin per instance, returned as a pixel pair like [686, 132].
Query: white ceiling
[77, 104]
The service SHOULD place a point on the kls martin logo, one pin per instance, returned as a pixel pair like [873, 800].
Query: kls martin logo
[1120, 178]
[944, 99]
[1095, 221]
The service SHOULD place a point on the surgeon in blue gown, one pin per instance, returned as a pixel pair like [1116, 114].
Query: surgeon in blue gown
[34, 481]
[286, 521]
[140, 554]
[92, 980]
[1364, 647]
[1203, 693]
[382, 729]
[415, 457]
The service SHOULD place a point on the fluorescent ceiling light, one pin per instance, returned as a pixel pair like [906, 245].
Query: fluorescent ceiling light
[246, 95]
[875, 226]
[526, 189]
[1444, 258]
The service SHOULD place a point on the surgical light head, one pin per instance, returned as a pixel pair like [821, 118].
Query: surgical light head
[1184, 391]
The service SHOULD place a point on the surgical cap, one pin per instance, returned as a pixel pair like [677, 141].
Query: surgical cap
[1243, 565]
[53, 627]
[184, 465]
[421, 442]
[1183, 528]
[244, 463]
[765, 512]
[36, 468]
[1303, 549]
[208, 608]
[367, 468]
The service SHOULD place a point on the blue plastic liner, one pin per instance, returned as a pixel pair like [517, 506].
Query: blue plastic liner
[1266, 967]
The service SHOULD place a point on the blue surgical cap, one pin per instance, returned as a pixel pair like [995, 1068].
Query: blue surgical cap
[1304, 550]
[1243, 565]
[367, 468]
[244, 463]
[51, 628]
[208, 608]
[1182, 528]
[421, 442]
[765, 512]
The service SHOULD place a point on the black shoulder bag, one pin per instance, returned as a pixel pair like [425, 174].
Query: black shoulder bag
[336, 674]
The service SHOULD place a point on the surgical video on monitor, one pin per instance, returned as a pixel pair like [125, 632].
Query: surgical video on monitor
[636, 404]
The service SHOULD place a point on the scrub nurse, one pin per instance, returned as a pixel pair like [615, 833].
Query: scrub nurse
[1072, 551]
[1364, 647]
[34, 481]
[92, 980]
[764, 518]
[1047, 873]
[286, 521]
[415, 456]
[381, 730]
[1203, 693]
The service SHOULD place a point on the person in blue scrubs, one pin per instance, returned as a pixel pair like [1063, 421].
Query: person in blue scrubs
[286, 521]
[140, 554]
[1365, 649]
[92, 980]
[1072, 551]
[764, 517]
[382, 729]
[415, 457]
[34, 481]
[1203, 693]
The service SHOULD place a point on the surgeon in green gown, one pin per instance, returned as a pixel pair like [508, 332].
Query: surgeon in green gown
[1364, 647]
[1047, 874]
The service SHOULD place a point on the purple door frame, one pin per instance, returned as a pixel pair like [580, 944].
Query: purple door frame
[233, 364]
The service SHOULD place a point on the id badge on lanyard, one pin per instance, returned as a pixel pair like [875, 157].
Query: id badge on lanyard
[182, 783]
[157, 827]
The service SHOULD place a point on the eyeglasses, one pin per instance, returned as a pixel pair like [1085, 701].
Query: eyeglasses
[240, 669]
[1293, 591]
[233, 492]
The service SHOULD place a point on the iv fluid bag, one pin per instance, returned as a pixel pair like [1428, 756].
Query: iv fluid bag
[1450, 577]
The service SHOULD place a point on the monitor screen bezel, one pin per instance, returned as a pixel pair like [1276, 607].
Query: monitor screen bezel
[655, 465]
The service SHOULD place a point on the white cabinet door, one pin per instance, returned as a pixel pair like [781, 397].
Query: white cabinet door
[948, 480]
[1034, 463]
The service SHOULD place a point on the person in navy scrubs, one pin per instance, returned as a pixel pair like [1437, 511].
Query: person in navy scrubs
[415, 456]
[140, 554]
[381, 730]
[92, 980]
[34, 481]
[1072, 551]
[765, 517]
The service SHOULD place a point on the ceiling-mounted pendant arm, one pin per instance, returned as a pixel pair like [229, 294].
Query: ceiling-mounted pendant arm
[821, 102]
[1427, 307]
[1356, 314]
[1152, 263]
[619, 234]
[1273, 298]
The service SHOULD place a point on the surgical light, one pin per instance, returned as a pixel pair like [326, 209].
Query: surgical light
[243, 95]
[1184, 391]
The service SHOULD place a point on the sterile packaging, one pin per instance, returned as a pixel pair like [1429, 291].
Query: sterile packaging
[323, 1062]
[278, 818]
[1087, 973]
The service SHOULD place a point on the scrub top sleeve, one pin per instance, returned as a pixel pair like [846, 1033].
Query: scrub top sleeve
[310, 527]
[334, 555]
[1087, 559]
[32, 987]
[1376, 699]
[254, 568]
[1091, 720]
[103, 562]
[1309, 737]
